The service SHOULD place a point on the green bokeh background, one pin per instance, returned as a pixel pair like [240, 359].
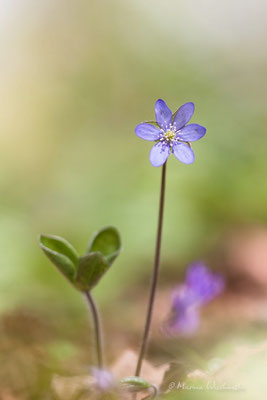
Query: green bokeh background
[76, 78]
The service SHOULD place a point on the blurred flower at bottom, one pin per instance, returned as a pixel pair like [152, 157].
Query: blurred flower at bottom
[104, 379]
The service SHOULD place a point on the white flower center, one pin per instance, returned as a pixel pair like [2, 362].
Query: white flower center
[169, 135]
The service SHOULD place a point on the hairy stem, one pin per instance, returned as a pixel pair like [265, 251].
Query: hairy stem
[155, 275]
[97, 327]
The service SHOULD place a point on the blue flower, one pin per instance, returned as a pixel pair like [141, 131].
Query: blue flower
[172, 134]
[200, 286]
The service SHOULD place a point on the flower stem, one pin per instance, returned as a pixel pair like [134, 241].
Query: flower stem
[155, 275]
[97, 327]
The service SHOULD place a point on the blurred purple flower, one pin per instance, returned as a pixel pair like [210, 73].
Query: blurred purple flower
[104, 379]
[172, 134]
[203, 283]
[200, 286]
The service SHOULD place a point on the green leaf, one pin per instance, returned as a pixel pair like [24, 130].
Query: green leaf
[135, 383]
[61, 253]
[91, 268]
[106, 241]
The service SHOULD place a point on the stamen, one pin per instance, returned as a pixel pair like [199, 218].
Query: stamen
[169, 135]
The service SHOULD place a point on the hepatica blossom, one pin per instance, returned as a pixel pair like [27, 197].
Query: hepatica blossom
[104, 379]
[200, 286]
[172, 134]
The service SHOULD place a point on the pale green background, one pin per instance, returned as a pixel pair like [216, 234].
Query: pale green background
[76, 77]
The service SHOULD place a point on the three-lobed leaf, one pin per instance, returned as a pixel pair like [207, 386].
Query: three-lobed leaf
[83, 272]
[61, 253]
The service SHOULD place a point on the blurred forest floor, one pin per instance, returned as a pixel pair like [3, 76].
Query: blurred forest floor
[36, 346]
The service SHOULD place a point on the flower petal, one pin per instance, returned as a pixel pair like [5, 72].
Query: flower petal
[147, 131]
[191, 132]
[163, 114]
[159, 154]
[183, 115]
[183, 153]
[184, 318]
[203, 283]
[187, 323]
